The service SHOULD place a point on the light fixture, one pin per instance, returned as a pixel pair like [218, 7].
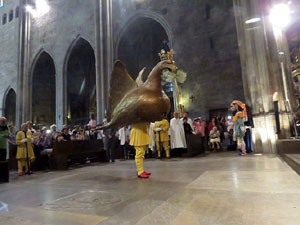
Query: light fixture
[275, 97]
[280, 15]
[39, 9]
[253, 20]
[48, 131]
[229, 117]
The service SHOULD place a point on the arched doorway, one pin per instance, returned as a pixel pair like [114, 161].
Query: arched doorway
[81, 83]
[10, 106]
[140, 44]
[43, 90]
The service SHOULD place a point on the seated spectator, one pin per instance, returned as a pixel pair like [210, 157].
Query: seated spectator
[90, 134]
[214, 137]
[65, 134]
[45, 144]
[75, 130]
[60, 138]
[80, 135]
[54, 133]
[187, 127]
[73, 137]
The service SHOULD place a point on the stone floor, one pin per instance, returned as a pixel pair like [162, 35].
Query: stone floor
[218, 189]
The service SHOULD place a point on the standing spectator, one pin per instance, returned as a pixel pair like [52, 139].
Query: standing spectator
[111, 144]
[24, 151]
[189, 120]
[124, 135]
[200, 127]
[12, 135]
[152, 137]
[232, 144]
[187, 127]
[30, 128]
[4, 135]
[161, 128]
[214, 136]
[92, 122]
[177, 132]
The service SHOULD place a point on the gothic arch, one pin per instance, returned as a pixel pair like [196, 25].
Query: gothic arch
[81, 84]
[143, 14]
[9, 105]
[42, 89]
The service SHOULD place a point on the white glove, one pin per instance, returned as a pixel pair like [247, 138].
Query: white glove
[24, 140]
[158, 129]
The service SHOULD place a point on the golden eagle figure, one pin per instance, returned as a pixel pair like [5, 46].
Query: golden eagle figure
[134, 101]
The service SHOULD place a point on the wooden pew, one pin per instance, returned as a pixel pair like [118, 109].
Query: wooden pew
[4, 172]
[68, 151]
[194, 145]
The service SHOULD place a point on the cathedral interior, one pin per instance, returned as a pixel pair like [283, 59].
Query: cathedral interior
[59, 67]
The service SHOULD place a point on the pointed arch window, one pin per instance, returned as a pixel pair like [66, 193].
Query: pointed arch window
[4, 19]
[207, 11]
[10, 15]
[17, 12]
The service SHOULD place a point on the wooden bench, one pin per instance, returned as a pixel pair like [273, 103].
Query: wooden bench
[67, 152]
[4, 172]
[194, 145]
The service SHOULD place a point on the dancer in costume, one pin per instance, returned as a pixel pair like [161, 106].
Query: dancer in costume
[139, 138]
[239, 117]
[161, 129]
[25, 152]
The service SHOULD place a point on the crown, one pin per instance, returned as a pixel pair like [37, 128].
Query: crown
[166, 55]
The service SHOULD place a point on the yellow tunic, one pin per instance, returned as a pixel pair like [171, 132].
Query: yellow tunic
[164, 136]
[21, 150]
[139, 135]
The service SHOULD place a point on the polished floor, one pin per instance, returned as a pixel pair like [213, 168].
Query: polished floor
[218, 189]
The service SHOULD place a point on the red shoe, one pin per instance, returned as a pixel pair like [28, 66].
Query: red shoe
[143, 175]
[147, 173]
[168, 157]
[21, 174]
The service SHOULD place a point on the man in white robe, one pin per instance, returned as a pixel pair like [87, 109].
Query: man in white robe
[152, 137]
[177, 132]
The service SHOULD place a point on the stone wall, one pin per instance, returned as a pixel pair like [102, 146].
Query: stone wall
[9, 45]
[202, 33]
[205, 45]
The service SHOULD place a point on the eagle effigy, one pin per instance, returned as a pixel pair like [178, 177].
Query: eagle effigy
[137, 104]
[132, 102]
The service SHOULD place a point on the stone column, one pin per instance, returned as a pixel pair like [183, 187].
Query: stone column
[22, 105]
[100, 88]
[61, 92]
[262, 73]
[104, 54]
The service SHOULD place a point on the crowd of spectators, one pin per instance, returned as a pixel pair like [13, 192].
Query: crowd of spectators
[215, 135]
